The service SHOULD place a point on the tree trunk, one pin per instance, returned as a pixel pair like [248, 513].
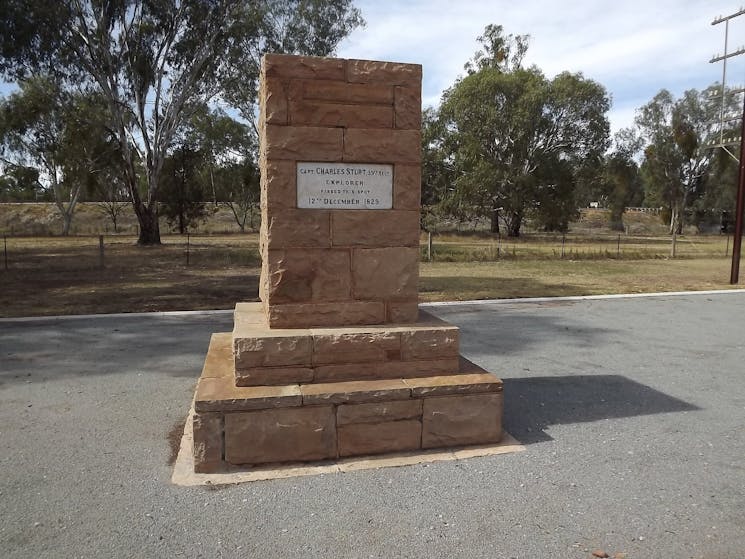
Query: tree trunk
[66, 223]
[494, 228]
[149, 227]
[514, 223]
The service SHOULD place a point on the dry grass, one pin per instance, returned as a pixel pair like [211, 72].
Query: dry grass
[57, 276]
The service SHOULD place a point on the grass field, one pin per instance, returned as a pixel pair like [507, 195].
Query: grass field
[55, 275]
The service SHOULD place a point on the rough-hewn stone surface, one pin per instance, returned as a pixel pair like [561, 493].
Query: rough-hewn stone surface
[408, 108]
[274, 95]
[428, 344]
[304, 275]
[461, 420]
[271, 348]
[207, 449]
[391, 73]
[298, 228]
[375, 228]
[288, 435]
[273, 376]
[342, 92]
[407, 187]
[298, 143]
[326, 314]
[355, 347]
[378, 412]
[221, 394]
[376, 438]
[386, 273]
[314, 113]
[382, 146]
[402, 312]
[278, 185]
[299, 67]
[354, 391]
[385, 370]
[453, 384]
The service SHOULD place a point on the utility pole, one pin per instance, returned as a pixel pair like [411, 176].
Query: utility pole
[731, 141]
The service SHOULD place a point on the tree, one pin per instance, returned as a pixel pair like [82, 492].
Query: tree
[239, 189]
[182, 190]
[516, 138]
[20, 184]
[676, 160]
[35, 124]
[155, 62]
[621, 180]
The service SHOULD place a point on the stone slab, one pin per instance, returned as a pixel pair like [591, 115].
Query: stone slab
[263, 347]
[207, 446]
[461, 420]
[287, 435]
[342, 92]
[221, 394]
[390, 73]
[378, 412]
[273, 376]
[184, 475]
[307, 67]
[377, 438]
[453, 384]
[354, 392]
[310, 315]
[385, 370]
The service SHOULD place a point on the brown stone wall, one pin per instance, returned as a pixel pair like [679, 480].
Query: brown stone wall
[339, 267]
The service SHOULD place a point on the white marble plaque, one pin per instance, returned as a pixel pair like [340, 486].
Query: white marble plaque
[344, 186]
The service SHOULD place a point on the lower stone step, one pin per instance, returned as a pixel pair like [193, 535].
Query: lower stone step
[309, 422]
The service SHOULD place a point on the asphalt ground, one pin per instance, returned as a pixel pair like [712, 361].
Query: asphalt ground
[632, 411]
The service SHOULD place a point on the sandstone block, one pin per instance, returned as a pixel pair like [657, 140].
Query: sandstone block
[378, 412]
[207, 449]
[402, 312]
[342, 92]
[408, 107]
[385, 370]
[249, 314]
[427, 344]
[272, 376]
[407, 187]
[375, 438]
[271, 348]
[273, 101]
[385, 273]
[390, 73]
[375, 228]
[453, 384]
[354, 347]
[383, 146]
[303, 67]
[307, 315]
[285, 435]
[218, 362]
[314, 113]
[278, 185]
[354, 392]
[461, 420]
[298, 228]
[305, 143]
[305, 275]
[221, 394]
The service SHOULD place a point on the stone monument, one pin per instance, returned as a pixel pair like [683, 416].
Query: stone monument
[337, 359]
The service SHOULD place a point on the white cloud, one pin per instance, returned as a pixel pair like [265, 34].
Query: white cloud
[634, 48]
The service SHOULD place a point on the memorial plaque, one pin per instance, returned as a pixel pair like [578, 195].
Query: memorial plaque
[344, 186]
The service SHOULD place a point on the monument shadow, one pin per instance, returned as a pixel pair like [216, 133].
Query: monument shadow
[533, 404]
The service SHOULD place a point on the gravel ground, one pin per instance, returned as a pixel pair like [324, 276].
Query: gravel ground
[632, 410]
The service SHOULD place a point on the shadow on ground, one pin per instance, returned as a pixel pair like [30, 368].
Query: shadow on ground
[533, 404]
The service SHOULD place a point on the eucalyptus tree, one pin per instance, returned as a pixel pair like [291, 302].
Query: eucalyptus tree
[516, 138]
[155, 61]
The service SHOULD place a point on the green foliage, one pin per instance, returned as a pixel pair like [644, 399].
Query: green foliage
[516, 141]
[183, 202]
[155, 63]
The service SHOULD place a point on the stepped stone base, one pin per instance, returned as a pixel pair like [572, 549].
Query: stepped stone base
[266, 356]
[308, 421]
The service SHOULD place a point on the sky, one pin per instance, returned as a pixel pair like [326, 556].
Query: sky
[633, 48]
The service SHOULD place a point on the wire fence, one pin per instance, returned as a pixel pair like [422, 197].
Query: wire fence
[119, 252]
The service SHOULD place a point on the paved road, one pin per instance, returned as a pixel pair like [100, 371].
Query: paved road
[633, 412]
